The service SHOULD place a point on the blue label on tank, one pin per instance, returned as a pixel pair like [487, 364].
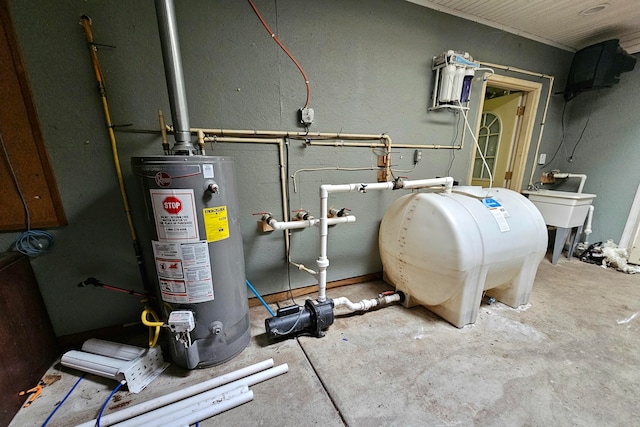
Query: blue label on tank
[491, 203]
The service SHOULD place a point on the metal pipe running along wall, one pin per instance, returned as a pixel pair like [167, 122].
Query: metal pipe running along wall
[165, 12]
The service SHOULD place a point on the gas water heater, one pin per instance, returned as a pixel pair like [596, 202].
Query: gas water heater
[191, 210]
[193, 232]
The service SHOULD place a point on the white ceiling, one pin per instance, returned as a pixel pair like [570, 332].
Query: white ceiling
[562, 23]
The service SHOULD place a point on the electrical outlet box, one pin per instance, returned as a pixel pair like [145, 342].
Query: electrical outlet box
[542, 159]
[307, 116]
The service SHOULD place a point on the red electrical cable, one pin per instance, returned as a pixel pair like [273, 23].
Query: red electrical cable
[275, 38]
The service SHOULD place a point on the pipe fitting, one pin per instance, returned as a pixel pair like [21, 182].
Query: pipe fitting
[216, 327]
[212, 187]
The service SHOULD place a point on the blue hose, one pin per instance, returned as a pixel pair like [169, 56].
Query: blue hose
[259, 297]
[106, 402]
[61, 402]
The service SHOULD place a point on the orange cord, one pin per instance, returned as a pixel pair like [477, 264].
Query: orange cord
[275, 38]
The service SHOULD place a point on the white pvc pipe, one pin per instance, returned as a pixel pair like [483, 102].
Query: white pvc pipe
[587, 227]
[158, 402]
[178, 415]
[193, 400]
[326, 189]
[365, 304]
[212, 410]
[423, 183]
[582, 177]
[290, 225]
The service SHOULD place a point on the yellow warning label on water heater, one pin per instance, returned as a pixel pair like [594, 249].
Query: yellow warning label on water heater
[216, 223]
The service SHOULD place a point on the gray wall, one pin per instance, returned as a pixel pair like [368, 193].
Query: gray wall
[608, 151]
[370, 69]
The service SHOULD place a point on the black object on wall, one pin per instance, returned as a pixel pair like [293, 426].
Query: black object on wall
[597, 66]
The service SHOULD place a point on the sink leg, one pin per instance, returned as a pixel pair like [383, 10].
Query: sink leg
[576, 232]
[558, 244]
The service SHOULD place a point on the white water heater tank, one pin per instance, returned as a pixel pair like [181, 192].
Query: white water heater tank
[444, 250]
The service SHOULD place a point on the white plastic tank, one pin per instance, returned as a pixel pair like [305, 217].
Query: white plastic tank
[444, 250]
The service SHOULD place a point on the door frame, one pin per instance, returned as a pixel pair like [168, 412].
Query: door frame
[531, 93]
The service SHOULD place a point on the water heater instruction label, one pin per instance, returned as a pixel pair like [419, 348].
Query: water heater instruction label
[174, 212]
[216, 223]
[184, 271]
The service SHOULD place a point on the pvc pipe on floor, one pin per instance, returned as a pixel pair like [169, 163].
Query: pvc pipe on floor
[226, 401]
[167, 399]
[157, 414]
[212, 410]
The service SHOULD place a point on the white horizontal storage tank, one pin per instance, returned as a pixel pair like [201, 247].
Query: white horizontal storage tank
[443, 250]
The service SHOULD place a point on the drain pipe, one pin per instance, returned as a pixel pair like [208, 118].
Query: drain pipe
[165, 13]
[587, 227]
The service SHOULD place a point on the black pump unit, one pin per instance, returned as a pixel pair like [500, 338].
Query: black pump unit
[314, 318]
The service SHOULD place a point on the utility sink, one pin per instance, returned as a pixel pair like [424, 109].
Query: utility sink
[561, 208]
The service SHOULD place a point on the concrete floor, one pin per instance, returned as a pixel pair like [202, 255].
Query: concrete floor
[570, 357]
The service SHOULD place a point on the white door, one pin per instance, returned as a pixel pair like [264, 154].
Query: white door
[497, 137]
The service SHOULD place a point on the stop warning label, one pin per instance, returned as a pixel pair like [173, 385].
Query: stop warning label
[174, 212]
[172, 205]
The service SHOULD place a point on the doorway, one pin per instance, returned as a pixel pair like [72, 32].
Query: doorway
[504, 129]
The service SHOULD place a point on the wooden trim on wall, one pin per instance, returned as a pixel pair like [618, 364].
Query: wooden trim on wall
[283, 296]
[24, 143]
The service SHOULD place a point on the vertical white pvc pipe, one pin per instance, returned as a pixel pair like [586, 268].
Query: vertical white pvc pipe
[326, 189]
[323, 261]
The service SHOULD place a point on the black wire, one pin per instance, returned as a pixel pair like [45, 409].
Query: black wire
[570, 159]
[564, 108]
[30, 242]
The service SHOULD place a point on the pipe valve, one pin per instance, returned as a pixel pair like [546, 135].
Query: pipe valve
[213, 188]
[302, 215]
[399, 182]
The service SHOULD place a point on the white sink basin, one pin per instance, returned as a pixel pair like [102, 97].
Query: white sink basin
[561, 208]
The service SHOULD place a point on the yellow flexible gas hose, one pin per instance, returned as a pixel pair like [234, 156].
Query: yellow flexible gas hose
[85, 21]
[154, 326]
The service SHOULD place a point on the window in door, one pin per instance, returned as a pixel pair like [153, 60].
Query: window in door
[488, 140]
